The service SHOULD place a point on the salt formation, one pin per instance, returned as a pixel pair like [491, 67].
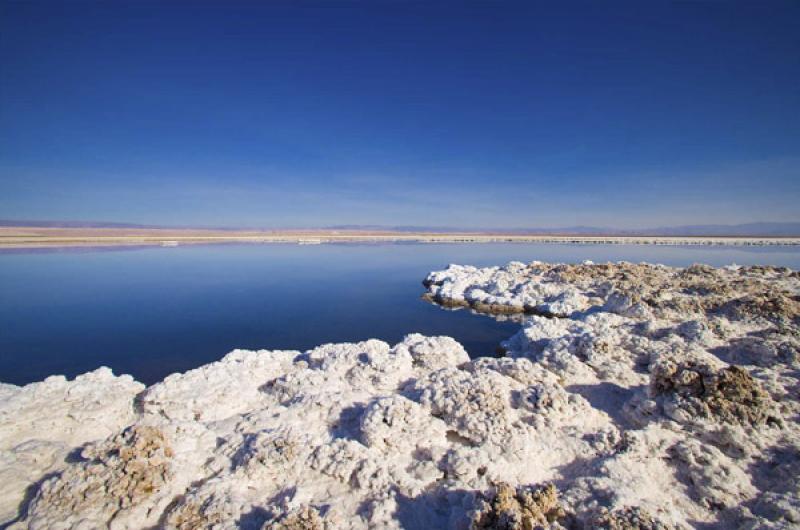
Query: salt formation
[518, 508]
[42, 424]
[633, 397]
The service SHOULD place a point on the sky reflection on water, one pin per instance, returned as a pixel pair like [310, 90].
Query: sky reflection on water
[153, 311]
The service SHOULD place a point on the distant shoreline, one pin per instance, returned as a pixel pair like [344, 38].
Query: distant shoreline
[37, 237]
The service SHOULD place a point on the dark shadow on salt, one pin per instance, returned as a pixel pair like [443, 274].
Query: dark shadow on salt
[433, 510]
[348, 426]
[254, 519]
[30, 493]
[608, 397]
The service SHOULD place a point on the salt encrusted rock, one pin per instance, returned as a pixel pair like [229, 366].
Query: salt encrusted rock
[599, 345]
[341, 459]
[736, 441]
[304, 518]
[637, 471]
[207, 393]
[42, 422]
[270, 451]
[694, 388]
[770, 304]
[714, 479]
[395, 424]
[519, 369]
[119, 479]
[432, 353]
[550, 399]
[514, 288]
[477, 408]
[765, 348]
[634, 290]
[628, 518]
[332, 369]
[520, 508]
[92, 405]
[209, 511]
[368, 364]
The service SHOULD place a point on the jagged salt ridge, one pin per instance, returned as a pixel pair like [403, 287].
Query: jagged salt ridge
[710, 355]
[647, 397]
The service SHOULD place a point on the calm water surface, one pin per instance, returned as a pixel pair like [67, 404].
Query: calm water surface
[153, 311]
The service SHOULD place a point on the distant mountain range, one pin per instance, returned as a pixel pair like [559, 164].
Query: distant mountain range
[102, 224]
[764, 229]
[73, 224]
[749, 229]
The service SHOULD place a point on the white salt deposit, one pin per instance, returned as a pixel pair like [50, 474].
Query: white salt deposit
[633, 396]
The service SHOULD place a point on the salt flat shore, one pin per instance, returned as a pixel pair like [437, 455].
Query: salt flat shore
[28, 237]
[633, 396]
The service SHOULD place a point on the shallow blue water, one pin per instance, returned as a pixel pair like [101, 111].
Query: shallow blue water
[153, 311]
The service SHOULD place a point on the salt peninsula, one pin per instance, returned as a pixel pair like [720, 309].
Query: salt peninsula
[634, 396]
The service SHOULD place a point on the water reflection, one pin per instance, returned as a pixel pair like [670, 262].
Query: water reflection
[153, 311]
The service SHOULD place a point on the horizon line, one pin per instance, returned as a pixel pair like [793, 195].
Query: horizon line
[751, 229]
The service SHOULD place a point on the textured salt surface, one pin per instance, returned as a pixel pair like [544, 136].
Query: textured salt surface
[634, 396]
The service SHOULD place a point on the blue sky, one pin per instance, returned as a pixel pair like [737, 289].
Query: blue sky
[400, 113]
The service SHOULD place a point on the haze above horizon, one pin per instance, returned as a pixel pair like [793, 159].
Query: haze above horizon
[468, 115]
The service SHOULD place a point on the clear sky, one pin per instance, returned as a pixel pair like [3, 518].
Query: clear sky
[400, 113]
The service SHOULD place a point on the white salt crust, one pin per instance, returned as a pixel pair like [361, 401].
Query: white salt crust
[667, 397]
